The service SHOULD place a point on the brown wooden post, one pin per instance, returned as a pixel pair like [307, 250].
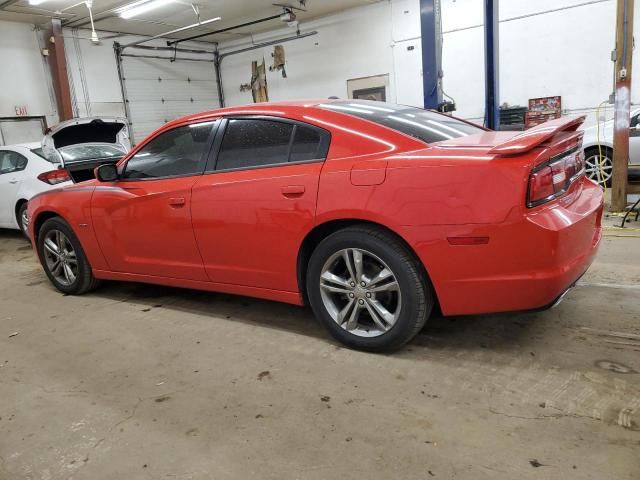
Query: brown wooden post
[58, 65]
[624, 36]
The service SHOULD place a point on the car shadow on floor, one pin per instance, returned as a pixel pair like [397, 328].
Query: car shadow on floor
[503, 332]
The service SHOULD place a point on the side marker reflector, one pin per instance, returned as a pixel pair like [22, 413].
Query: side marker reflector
[468, 240]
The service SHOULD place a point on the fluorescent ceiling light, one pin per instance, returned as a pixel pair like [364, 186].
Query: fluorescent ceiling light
[36, 2]
[140, 7]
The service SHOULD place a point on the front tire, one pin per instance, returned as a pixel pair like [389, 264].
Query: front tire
[599, 168]
[368, 289]
[63, 258]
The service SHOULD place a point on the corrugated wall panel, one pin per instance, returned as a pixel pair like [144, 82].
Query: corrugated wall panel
[159, 91]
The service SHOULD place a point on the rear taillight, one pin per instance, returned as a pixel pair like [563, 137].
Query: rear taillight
[53, 177]
[551, 179]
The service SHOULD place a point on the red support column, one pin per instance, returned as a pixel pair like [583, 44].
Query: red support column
[58, 64]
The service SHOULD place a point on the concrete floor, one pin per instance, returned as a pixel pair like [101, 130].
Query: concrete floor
[141, 382]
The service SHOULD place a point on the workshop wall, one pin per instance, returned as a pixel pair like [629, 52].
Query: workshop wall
[547, 47]
[357, 43]
[25, 77]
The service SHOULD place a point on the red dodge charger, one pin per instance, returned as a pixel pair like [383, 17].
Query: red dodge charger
[372, 213]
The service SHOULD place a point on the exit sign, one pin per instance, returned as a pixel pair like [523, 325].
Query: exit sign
[21, 111]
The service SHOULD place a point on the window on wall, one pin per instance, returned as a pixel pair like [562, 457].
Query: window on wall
[260, 142]
[178, 152]
[11, 162]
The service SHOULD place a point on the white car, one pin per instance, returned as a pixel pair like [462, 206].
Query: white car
[68, 153]
[594, 169]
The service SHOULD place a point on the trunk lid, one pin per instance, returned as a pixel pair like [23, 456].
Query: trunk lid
[81, 144]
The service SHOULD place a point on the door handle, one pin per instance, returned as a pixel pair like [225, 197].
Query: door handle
[293, 190]
[177, 202]
[13, 182]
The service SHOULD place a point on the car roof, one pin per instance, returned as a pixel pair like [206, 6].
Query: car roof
[263, 107]
[29, 145]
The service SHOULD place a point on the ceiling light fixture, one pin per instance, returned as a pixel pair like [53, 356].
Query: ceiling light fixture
[36, 2]
[140, 7]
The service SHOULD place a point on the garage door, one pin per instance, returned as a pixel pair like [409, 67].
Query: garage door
[21, 130]
[157, 90]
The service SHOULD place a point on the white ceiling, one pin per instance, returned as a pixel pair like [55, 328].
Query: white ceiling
[176, 14]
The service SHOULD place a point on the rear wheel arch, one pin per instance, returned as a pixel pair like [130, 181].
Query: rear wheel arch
[19, 204]
[323, 230]
[17, 208]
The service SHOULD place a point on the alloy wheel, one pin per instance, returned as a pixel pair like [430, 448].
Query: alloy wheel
[60, 257]
[596, 172]
[24, 220]
[360, 292]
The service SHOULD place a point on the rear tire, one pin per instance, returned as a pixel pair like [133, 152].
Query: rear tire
[63, 258]
[368, 289]
[22, 219]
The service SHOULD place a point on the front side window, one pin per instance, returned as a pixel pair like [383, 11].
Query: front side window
[256, 143]
[424, 125]
[11, 162]
[178, 152]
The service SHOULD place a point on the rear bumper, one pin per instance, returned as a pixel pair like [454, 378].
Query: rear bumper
[529, 262]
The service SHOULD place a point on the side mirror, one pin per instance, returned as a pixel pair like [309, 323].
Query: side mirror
[106, 173]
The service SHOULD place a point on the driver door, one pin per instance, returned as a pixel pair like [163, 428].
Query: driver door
[143, 220]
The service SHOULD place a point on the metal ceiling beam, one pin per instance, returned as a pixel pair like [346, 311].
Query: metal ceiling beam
[233, 27]
[267, 44]
[171, 32]
[7, 3]
[86, 20]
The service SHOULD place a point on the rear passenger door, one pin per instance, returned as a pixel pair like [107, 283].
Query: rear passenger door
[257, 200]
[12, 166]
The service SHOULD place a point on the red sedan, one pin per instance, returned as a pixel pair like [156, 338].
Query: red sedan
[372, 213]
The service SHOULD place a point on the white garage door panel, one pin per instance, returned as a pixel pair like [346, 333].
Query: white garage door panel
[171, 90]
[20, 131]
[159, 91]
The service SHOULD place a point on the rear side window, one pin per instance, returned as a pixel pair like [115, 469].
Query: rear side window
[254, 143]
[11, 162]
[178, 152]
[424, 125]
[307, 145]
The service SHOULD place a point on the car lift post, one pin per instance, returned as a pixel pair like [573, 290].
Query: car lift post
[431, 40]
[491, 65]
[623, 56]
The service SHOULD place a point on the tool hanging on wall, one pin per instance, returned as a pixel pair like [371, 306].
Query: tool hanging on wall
[259, 82]
[278, 60]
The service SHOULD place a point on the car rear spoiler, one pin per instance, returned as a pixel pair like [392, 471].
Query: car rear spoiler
[537, 135]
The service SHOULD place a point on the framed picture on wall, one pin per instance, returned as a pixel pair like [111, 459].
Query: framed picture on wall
[368, 88]
[375, 93]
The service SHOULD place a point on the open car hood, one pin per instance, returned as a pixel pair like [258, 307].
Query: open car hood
[88, 130]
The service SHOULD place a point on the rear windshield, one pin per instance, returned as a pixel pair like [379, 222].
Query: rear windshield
[78, 153]
[424, 125]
